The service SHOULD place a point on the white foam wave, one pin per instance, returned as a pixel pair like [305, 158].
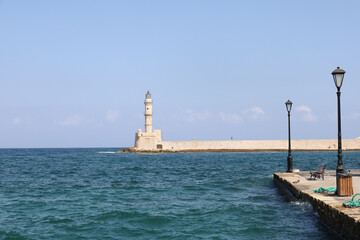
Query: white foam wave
[305, 206]
[106, 152]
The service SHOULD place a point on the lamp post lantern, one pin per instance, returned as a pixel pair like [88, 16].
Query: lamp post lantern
[338, 75]
[288, 105]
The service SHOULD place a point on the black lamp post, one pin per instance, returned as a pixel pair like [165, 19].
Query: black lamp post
[289, 158]
[338, 75]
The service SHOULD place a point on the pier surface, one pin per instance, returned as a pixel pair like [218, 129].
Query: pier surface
[345, 221]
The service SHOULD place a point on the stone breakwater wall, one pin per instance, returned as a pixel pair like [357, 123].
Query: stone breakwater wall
[269, 145]
[249, 146]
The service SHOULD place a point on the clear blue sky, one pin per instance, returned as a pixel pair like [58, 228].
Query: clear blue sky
[75, 73]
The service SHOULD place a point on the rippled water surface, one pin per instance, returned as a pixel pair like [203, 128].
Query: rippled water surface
[97, 194]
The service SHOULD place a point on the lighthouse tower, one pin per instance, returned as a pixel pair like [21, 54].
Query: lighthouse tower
[148, 112]
[150, 140]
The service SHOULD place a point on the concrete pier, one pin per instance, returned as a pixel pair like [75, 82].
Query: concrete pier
[345, 221]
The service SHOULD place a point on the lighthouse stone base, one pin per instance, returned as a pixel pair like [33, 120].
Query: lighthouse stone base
[148, 141]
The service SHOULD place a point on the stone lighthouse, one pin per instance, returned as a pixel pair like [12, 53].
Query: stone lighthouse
[148, 112]
[149, 140]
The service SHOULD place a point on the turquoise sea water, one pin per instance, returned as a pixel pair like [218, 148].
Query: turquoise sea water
[97, 194]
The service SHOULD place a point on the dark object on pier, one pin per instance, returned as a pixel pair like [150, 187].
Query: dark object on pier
[344, 183]
[320, 172]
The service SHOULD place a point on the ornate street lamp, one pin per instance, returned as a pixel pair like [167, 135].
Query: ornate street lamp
[288, 105]
[338, 75]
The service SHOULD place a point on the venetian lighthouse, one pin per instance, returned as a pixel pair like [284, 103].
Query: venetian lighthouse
[149, 140]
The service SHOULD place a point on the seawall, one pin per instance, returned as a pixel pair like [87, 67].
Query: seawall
[249, 146]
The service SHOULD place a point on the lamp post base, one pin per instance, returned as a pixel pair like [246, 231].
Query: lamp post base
[289, 163]
[340, 169]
